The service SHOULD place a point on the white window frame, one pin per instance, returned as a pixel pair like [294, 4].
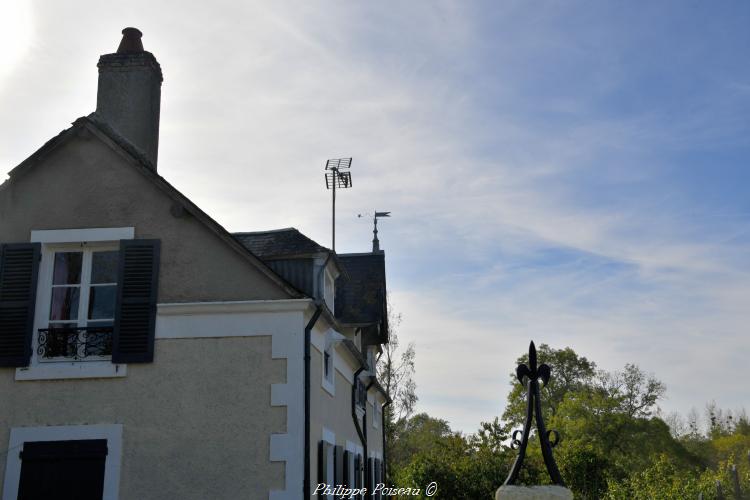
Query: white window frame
[329, 382]
[46, 280]
[20, 435]
[330, 437]
[60, 240]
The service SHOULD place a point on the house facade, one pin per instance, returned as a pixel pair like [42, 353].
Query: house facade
[146, 352]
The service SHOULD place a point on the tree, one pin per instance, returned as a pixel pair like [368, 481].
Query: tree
[420, 433]
[613, 444]
[606, 420]
[396, 374]
[570, 373]
[395, 371]
[637, 392]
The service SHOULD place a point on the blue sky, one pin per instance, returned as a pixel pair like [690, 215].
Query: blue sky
[572, 172]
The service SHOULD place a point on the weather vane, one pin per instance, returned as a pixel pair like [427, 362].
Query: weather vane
[530, 376]
[375, 240]
[335, 178]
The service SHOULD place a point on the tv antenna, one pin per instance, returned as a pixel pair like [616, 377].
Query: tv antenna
[337, 176]
[375, 240]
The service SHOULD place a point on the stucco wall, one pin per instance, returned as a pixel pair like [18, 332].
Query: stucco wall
[86, 184]
[196, 425]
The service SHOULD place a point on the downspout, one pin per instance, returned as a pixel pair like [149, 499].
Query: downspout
[308, 335]
[382, 426]
[364, 419]
[308, 330]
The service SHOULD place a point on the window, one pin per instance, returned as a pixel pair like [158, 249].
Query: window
[371, 360]
[63, 469]
[377, 415]
[81, 311]
[326, 460]
[329, 292]
[352, 460]
[329, 371]
[77, 461]
[361, 395]
[83, 303]
[374, 474]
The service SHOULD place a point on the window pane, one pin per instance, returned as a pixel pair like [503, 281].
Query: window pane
[102, 301]
[104, 267]
[64, 303]
[67, 268]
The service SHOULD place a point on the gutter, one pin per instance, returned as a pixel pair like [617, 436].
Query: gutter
[308, 330]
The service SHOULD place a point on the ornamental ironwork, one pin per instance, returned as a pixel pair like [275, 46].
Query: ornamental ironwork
[529, 376]
[74, 343]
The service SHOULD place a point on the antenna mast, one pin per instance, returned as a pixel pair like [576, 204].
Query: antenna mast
[335, 178]
[375, 240]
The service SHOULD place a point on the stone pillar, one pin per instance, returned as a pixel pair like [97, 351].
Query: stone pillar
[533, 493]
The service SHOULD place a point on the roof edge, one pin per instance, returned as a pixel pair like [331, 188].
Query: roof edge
[120, 145]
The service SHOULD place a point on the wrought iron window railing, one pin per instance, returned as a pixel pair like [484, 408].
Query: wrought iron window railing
[75, 343]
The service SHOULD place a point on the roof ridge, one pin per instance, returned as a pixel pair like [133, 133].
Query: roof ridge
[240, 233]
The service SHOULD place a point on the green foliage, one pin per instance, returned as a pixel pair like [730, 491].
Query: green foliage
[664, 480]
[614, 445]
[585, 470]
[463, 467]
[570, 373]
[419, 434]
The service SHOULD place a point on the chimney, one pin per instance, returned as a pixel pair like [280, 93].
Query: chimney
[129, 93]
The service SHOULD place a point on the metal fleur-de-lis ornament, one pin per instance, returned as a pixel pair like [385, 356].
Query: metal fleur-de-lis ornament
[530, 376]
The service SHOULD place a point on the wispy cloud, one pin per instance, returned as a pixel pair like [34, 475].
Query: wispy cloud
[571, 173]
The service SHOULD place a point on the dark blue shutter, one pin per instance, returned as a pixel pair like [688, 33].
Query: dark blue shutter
[322, 462]
[347, 470]
[378, 477]
[358, 473]
[338, 466]
[63, 469]
[19, 270]
[369, 483]
[135, 312]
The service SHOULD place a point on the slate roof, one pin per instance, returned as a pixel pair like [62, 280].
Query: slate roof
[279, 243]
[361, 299]
[360, 288]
